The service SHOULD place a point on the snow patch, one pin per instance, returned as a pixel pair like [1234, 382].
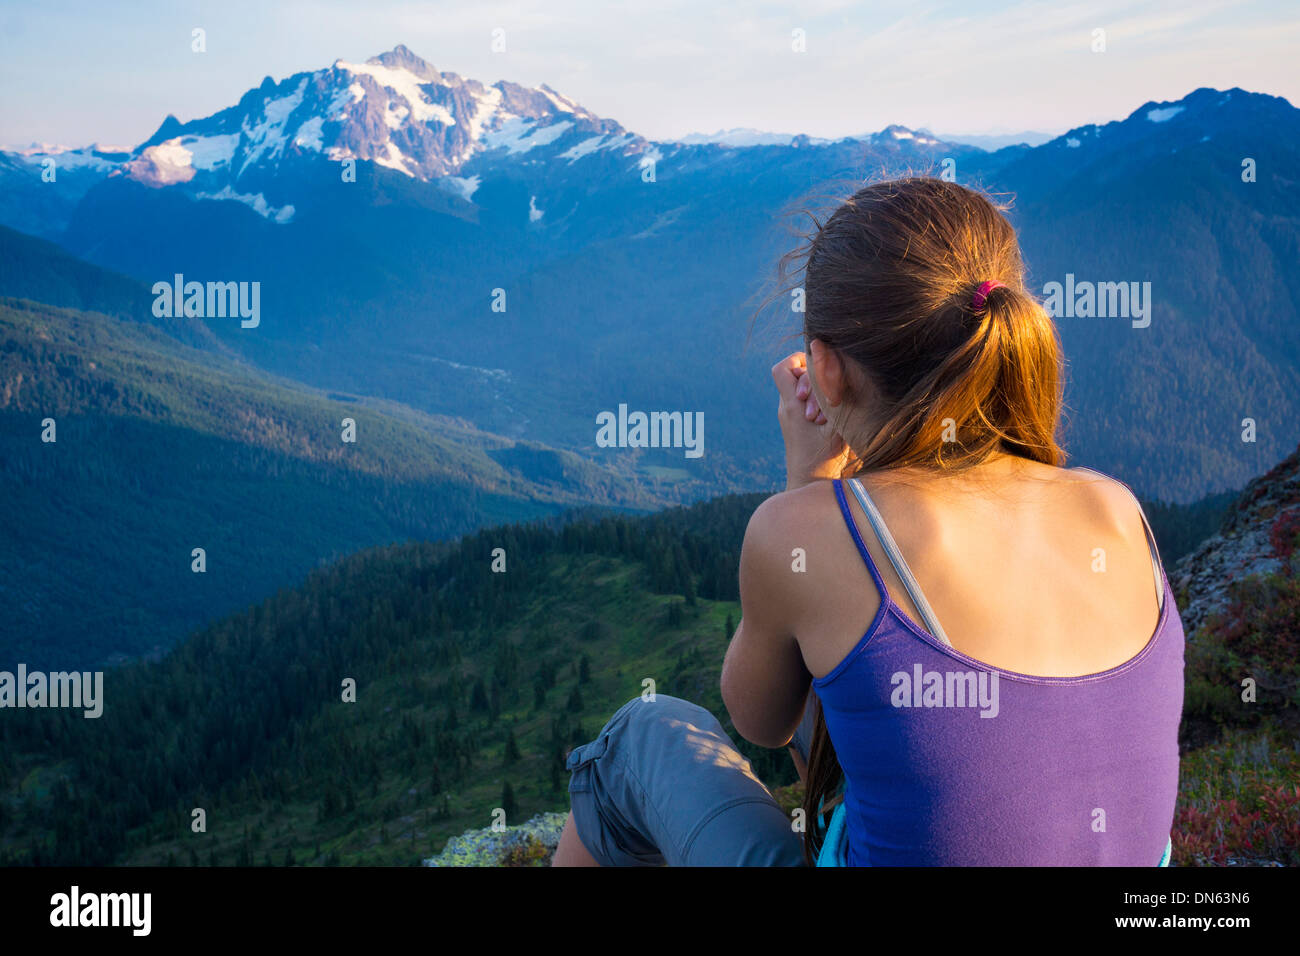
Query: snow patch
[585, 148]
[393, 159]
[534, 213]
[209, 152]
[268, 136]
[162, 165]
[406, 85]
[309, 134]
[393, 118]
[1164, 114]
[171, 153]
[256, 201]
[1072, 143]
[485, 105]
[518, 135]
[560, 103]
[462, 186]
[594, 144]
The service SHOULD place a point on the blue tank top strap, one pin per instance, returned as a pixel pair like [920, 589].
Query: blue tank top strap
[896, 558]
[857, 539]
[892, 551]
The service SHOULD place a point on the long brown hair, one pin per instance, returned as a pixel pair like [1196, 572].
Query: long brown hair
[888, 283]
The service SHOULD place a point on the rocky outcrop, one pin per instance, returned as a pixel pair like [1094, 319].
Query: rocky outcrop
[1257, 537]
[528, 844]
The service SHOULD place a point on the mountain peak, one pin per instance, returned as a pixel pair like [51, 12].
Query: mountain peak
[400, 57]
[394, 110]
[895, 132]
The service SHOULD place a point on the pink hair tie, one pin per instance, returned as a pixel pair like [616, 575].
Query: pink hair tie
[982, 293]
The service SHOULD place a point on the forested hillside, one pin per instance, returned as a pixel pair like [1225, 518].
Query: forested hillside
[159, 449]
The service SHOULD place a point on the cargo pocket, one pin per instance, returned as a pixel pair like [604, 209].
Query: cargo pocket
[579, 761]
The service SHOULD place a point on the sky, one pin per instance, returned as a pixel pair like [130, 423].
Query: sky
[73, 72]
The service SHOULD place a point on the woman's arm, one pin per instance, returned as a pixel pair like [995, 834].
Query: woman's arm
[764, 681]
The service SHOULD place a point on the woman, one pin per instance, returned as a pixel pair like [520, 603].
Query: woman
[1016, 695]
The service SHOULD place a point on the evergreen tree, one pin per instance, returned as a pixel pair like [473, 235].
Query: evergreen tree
[478, 701]
[676, 618]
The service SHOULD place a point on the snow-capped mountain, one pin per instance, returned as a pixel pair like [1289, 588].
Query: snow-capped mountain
[1170, 126]
[901, 134]
[394, 110]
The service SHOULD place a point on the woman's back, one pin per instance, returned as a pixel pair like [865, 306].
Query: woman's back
[1046, 732]
[1030, 568]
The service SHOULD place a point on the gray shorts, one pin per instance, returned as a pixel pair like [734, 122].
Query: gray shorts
[664, 784]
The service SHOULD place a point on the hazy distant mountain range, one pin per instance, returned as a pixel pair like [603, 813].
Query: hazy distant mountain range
[746, 136]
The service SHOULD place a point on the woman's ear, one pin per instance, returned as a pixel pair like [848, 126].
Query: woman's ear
[828, 373]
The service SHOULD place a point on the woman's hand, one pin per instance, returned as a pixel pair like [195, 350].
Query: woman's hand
[813, 451]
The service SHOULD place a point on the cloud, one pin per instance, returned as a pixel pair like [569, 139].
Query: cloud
[663, 67]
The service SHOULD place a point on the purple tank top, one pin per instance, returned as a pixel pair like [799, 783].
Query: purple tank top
[950, 762]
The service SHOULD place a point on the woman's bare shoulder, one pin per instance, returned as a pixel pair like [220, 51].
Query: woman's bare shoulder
[1106, 501]
[790, 512]
[791, 519]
